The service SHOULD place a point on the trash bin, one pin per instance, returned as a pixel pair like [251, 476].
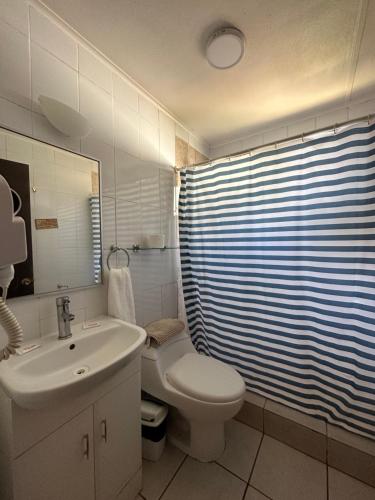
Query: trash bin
[154, 428]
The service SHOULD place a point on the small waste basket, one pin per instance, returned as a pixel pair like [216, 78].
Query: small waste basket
[154, 428]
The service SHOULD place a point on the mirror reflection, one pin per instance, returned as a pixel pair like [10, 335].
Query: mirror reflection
[58, 195]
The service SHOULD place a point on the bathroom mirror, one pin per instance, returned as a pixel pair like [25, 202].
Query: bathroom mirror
[58, 195]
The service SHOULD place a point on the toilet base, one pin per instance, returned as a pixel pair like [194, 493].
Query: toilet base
[204, 441]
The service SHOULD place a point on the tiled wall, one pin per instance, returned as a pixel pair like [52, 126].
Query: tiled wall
[350, 111]
[133, 136]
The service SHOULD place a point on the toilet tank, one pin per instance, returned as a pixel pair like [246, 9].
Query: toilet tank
[157, 359]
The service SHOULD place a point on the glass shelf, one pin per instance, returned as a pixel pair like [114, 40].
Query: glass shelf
[137, 248]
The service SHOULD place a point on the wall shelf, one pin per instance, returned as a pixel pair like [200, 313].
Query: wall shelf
[137, 248]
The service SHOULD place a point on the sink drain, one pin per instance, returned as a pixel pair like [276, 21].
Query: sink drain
[81, 371]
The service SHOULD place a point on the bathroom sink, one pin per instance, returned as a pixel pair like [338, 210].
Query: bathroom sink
[67, 367]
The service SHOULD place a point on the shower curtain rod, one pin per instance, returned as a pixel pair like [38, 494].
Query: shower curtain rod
[302, 136]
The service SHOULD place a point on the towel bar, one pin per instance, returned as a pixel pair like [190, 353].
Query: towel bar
[113, 249]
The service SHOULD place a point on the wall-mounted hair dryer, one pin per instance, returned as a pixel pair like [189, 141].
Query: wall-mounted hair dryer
[12, 251]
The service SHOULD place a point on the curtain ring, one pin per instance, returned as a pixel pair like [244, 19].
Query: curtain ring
[303, 137]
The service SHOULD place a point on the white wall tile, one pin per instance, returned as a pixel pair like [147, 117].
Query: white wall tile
[169, 228]
[301, 127]
[15, 13]
[14, 66]
[124, 93]
[49, 35]
[149, 141]
[166, 182]
[151, 221]
[150, 189]
[128, 179]
[167, 152]
[96, 105]
[27, 316]
[109, 222]
[15, 117]
[105, 153]
[128, 223]
[95, 301]
[18, 149]
[168, 269]
[275, 135]
[169, 300]
[166, 124]
[253, 141]
[182, 132]
[44, 131]
[94, 69]
[226, 149]
[362, 109]
[127, 130]
[151, 305]
[331, 118]
[52, 78]
[148, 111]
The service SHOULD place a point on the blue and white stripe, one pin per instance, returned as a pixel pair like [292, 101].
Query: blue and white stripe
[278, 267]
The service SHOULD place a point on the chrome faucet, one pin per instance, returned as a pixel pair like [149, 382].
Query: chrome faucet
[64, 317]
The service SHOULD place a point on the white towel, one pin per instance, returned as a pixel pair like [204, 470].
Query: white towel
[120, 295]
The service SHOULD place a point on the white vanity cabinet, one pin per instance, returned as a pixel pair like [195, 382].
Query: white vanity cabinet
[61, 466]
[88, 448]
[117, 438]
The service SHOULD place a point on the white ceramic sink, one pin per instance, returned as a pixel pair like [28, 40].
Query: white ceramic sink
[67, 367]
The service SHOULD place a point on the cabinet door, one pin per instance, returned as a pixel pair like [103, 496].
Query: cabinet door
[61, 466]
[117, 428]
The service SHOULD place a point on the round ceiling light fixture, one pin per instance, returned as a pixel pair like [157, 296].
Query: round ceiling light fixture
[225, 48]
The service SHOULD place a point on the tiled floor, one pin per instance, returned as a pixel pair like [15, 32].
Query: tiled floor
[253, 467]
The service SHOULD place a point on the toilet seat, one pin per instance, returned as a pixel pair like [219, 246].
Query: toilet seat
[205, 379]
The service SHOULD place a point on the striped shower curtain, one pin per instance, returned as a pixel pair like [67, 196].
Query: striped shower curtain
[278, 267]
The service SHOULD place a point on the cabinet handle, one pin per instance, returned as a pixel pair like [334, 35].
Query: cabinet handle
[104, 430]
[86, 446]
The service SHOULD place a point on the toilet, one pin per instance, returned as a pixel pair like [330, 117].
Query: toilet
[203, 392]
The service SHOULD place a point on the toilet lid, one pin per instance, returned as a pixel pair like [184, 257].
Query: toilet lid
[206, 379]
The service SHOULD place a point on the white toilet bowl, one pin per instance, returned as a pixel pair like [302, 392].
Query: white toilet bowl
[206, 392]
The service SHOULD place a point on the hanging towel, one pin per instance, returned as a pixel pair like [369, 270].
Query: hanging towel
[120, 295]
[163, 329]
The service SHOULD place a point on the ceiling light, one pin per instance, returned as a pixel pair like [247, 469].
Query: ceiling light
[225, 48]
[64, 118]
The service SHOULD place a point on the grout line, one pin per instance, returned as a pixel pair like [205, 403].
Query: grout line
[256, 458]
[245, 492]
[230, 472]
[259, 491]
[172, 478]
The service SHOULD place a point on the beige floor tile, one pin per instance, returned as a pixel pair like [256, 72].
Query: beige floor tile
[242, 443]
[253, 494]
[156, 475]
[283, 473]
[343, 487]
[209, 481]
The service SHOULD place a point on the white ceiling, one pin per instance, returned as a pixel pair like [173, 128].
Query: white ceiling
[301, 56]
